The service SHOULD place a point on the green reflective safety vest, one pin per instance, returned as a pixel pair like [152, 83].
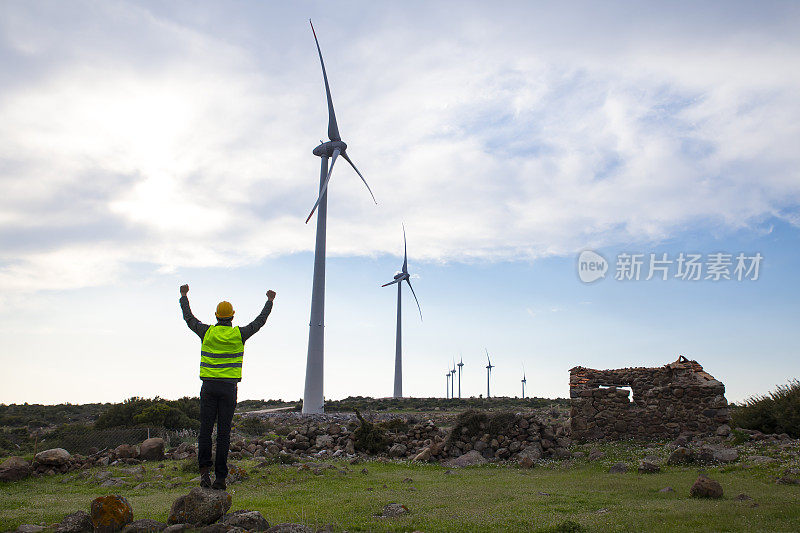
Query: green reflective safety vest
[222, 353]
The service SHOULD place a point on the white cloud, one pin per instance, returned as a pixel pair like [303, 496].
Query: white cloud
[491, 140]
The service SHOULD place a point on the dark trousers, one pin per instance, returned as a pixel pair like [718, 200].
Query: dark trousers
[217, 403]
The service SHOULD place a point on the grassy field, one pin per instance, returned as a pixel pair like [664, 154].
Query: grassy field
[560, 496]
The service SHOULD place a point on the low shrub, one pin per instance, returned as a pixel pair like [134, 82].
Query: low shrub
[775, 412]
[369, 438]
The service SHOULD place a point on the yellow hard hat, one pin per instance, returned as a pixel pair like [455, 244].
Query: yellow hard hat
[224, 310]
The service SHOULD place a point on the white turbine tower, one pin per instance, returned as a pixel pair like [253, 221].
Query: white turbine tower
[489, 368]
[335, 147]
[448, 375]
[398, 343]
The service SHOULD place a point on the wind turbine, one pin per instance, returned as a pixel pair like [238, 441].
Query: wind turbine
[489, 368]
[448, 375]
[460, 364]
[453, 380]
[523, 382]
[398, 343]
[335, 147]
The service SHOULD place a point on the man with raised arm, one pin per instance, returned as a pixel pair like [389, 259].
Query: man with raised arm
[221, 357]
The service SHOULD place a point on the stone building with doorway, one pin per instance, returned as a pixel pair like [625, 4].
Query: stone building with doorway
[666, 401]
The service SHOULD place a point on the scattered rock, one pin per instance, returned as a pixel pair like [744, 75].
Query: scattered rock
[247, 520]
[145, 525]
[761, 460]
[665, 490]
[219, 527]
[126, 451]
[526, 462]
[468, 459]
[742, 497]
[397, 450]
[595, 455]
[201, 506]
[30, 528]
[77, 522]
[648, 467]
[290, 528]
[53, 457]
[152, 449]
[786, 480]
[324, 442]
[724, 430]
[393, 510]
[111, 513]
[618, 468]
[14, 469]
[680, 456]
[113, 482]
[424, 455]
[718, 454]
[178, 528]
[705, 487]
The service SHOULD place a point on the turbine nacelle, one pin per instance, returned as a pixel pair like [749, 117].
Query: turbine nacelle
[326, 149]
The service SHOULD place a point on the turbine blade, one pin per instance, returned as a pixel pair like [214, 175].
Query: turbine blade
[405, 251]
[398, 280]
[324, 185]
[333, 129]
[360, 176]
[415, 298]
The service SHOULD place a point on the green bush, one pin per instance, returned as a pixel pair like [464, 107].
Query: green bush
[176, 414]
[775, 412]
[368, 437]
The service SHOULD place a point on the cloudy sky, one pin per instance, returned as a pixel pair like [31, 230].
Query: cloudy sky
[147, 144]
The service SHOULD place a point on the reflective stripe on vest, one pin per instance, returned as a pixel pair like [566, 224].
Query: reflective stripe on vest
[222, 353]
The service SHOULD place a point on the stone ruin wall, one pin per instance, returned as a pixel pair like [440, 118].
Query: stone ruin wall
[667, 401]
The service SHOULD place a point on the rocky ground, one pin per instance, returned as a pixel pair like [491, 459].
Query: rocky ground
[523, 440]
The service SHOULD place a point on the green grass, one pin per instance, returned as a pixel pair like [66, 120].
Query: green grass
[485, 498]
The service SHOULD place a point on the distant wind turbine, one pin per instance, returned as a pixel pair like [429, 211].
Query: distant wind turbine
[489, 368]
[460, 364]
[398, 343]
[453, 380]
[448, 375]
[523, 382]
[335, 147]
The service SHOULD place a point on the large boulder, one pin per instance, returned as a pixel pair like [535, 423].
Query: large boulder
[248, 520]
[145, 525]
[53, 457]
[152, 449]
[201, 506]
[468, 459]
[77, 522]
[705, 487]
[14, 469]
[111, 513]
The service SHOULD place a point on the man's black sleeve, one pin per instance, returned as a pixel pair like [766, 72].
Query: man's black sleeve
[194, 324]
[250, 329]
